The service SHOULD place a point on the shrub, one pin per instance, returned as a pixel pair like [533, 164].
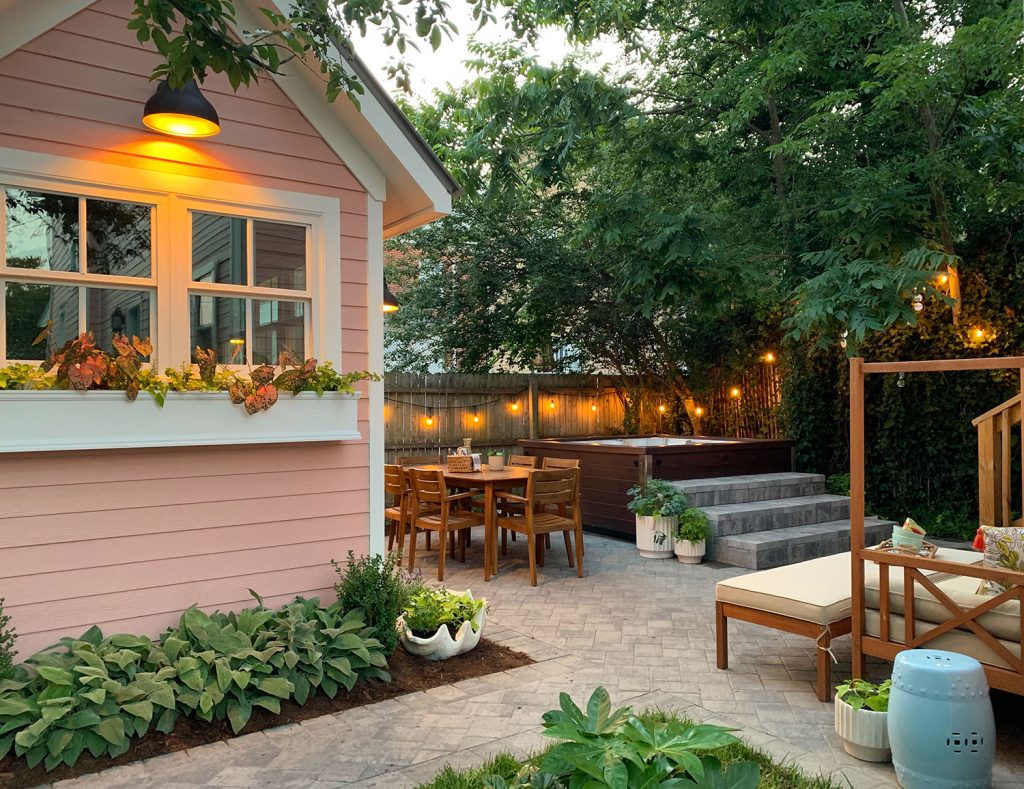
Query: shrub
[376, 585]
[604, 748]
[657, 498]
[428, 609]
[94, 693]
[838, 484]
[7, 639]
[693, 525]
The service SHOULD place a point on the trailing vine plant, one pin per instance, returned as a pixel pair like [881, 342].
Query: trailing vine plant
[82, 365]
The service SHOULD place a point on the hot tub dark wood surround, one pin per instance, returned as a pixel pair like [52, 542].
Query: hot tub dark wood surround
[607, 472]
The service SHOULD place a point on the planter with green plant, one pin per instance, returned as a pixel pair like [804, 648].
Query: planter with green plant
[691, 536]
[438, 624]
[657, 505]
[862, 719]
[496, 459]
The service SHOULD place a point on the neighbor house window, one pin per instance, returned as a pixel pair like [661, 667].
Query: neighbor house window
[71, 264]
[249, 291]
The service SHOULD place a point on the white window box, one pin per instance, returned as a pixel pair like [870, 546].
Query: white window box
[43, 421]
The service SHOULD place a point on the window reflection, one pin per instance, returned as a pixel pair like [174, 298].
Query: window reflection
[29, 307]
[109, 312]
[42, 230]
[218, 249]
[118, 238]
[218, 322]
[279, 326]
[279, 255]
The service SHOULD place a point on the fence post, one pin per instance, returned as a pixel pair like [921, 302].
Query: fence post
[534, 407]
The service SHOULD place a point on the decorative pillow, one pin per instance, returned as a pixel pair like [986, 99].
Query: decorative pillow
[1004, 547]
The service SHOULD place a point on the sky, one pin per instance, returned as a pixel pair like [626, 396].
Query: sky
[431, 70]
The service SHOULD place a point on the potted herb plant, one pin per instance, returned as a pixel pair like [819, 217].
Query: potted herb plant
[862, 719]
[657, 506]
[496, 459]
[438, 624]
[691, 536]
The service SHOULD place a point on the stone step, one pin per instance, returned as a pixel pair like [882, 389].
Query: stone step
[756, 516]
[750, 487]
[764, 549]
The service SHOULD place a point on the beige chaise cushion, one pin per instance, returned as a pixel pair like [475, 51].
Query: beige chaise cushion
[817, 590]
[964, 642]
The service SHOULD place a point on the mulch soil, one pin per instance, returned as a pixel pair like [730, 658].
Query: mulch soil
[409, 674]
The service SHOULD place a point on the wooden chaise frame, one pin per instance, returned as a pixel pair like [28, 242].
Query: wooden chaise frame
[1011, 678]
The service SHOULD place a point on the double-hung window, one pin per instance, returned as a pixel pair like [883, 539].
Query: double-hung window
[251, 274]
[73, 263]
[249, 295]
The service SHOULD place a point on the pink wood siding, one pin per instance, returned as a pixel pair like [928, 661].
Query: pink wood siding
[128, 539]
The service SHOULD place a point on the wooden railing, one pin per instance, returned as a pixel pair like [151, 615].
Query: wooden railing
[995, 482]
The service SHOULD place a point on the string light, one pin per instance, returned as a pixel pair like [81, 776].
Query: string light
[429, 420]
[734, 392]
[551, 403]
[515, 406]
[593, 407]
[769, 358]
[942, 279]
[698, 411]
[661, 409]
[476, 419]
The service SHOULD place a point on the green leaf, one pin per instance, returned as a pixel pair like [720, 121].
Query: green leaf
[58, 741]
[140, 709]
[56, 676]
[111, 729]
[276, 686]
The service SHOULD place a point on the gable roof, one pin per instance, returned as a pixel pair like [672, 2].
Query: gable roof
[376, 141]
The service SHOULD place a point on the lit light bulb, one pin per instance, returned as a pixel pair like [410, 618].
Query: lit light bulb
[593, 407]
[978, 333]
[943, 279]
[734, 392]
[698, 411]
[515, 406]
[769, 358]
[551, 403]
[661, 409]
[430, 421]
[476, 419]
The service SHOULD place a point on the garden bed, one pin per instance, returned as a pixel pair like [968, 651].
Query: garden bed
[409, 674]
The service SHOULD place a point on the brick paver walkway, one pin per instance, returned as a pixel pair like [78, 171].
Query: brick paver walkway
[644, 629]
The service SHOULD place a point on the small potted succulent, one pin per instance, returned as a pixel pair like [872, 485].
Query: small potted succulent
[657, 506]
[438, 624]
[862, 712]
[496, 459]
[691, 536]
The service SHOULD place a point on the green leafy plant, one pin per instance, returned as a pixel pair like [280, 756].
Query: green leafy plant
[604, 748]
[657, 499]
[376, 585]
[94, 693]
[838, 484]
[859, 693]
[8, 636]
[693, 525]
[429, 609]
[80, 364]
[496, 453]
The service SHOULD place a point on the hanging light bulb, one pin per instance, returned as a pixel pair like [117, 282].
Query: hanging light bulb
[842, 339]
[515, 406]
[735, 392]
[551, 403]
[390, 303]
[183, 112]
[429, 420]
[917, 302]
[661, 409]
[476, 419]
[769, 358]
[942, 279]
[901, 380]
[593, 407]
[698, 411]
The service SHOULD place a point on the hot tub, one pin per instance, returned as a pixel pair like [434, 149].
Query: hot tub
[610, 465]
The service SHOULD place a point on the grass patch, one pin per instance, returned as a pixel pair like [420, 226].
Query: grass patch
[774, 775]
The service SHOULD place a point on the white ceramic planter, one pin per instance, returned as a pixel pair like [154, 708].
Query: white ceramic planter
[865, 733]
[689, 552]
[441, 645]
[34, 421]
[647, 530]
[496, 462]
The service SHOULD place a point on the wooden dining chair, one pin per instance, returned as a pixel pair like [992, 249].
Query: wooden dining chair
[525, 461]
[419, 460]
[546, 489]
[396, 486]
[434, 509]
[550, 463]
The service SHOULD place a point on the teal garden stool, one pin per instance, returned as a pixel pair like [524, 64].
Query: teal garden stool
[941, 728]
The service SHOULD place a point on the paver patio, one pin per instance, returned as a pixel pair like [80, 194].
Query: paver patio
[644, 629]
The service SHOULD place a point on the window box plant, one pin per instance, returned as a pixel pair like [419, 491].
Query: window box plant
[862, 719]
[691, 536]
[657, 506]
[496, 459]
[438, 624]
[85, 398]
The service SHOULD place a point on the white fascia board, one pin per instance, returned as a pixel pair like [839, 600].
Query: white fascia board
[391, 143]
[20, 22]
[308, 96]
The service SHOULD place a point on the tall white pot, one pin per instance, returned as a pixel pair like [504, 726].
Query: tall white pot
[865, 733]
[648, 542]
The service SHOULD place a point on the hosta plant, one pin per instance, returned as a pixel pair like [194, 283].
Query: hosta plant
[604, 748]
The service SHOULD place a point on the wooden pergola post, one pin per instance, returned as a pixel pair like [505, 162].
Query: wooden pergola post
[857, 510]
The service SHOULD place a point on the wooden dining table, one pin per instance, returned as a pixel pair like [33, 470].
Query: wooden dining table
[489, 482]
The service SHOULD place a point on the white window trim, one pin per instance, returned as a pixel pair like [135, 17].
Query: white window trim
[173, 195]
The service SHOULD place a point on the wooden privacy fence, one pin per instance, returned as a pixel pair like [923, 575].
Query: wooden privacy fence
[430, 414]
[999, 491]
[746, 408]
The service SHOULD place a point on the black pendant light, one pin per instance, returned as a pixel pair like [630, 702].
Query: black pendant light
[390, 302]
[181, 113]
